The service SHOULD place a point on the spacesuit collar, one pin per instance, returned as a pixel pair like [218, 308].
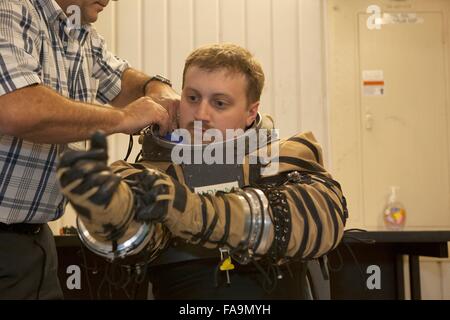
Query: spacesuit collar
[156, 148]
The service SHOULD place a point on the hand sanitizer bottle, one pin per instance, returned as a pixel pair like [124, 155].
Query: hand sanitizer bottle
[394, 212]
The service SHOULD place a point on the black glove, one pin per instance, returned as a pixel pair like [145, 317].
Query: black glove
[85, 177]
[148, 187]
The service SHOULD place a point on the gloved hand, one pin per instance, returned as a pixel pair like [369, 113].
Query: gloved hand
[106, 202]
[100, 197]
[150, 190]
[85, 177]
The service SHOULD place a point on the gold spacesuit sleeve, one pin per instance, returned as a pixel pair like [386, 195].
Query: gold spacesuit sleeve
[316, 203]
[190, 216]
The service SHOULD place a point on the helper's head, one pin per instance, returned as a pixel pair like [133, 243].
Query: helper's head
[89, 8]
[222, 85]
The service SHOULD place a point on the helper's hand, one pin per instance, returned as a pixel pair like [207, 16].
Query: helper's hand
[142, 113]
[85, 178]
[165, 96]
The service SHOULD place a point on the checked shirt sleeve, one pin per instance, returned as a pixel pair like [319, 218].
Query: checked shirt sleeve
[108, 69]
[19, 59]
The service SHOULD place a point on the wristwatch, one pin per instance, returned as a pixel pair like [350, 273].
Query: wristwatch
[156, 78]
[161, 79]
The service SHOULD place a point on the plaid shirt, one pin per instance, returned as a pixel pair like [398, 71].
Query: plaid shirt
[37, 47]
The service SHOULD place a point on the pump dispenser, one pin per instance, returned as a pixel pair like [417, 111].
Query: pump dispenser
[394, 212]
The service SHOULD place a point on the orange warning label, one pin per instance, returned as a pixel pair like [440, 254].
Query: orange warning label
[374, 83]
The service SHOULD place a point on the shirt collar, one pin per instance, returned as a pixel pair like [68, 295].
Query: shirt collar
[53, 12]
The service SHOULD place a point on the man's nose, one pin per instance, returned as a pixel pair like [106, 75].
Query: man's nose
[202, 111]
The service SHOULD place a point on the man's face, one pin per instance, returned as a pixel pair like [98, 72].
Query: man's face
[216, 98]
[89, 8]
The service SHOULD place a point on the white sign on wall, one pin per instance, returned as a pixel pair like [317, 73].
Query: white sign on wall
[373, 82]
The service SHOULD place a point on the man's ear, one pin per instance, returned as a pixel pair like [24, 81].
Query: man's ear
[252, 113]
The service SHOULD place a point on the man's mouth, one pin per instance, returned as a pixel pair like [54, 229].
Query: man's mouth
[198, 127]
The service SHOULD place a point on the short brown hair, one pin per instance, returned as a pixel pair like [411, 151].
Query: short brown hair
[233, 58]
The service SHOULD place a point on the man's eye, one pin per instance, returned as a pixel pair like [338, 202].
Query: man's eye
[193, 98]
[220, 104]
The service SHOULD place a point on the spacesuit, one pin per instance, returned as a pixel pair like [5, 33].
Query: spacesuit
[237, 214]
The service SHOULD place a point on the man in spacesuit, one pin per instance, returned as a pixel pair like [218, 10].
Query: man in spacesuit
[212, 225]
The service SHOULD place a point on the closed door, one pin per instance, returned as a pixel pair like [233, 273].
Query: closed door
[395, 100]
[404, 126]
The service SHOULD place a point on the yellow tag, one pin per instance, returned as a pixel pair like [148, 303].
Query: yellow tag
[227, 265]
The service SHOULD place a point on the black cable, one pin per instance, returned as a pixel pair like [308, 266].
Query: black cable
[268, 284]
[130, 147]
[216, 275]
[138, 156]
[352, 254]
[115, 274]
[288, 267]
[83, 253]
[116, 277]
[358, 264]
[355, 230]
[128, 277]
[102, 282]
[347, 234]
[125, 285]
[109, 291]
[341, 262]
[339, 255]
